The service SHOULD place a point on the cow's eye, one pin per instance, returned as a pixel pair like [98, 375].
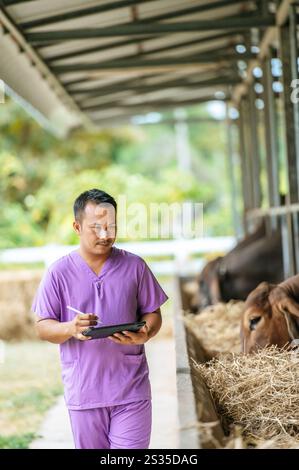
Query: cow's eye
[253, 322]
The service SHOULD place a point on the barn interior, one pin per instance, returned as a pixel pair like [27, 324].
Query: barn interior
[96, 64]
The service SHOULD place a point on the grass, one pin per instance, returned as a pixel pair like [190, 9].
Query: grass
[30, 382]
[20, 266]
[16, 441]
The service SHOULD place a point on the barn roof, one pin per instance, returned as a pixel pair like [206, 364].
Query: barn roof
[96, 63]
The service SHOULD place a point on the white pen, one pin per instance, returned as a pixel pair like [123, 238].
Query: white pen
[78, 311]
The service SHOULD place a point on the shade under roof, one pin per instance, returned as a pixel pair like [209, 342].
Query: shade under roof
[95, 63]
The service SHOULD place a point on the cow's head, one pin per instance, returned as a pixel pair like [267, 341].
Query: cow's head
[209, 291]
[270, 317]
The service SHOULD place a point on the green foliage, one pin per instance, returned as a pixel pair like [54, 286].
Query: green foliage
[17, 227]
[16, 441]
[40, 176]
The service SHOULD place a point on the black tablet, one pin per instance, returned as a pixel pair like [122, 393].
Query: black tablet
[104, 331]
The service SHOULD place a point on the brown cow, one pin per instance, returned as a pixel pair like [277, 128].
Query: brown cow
[255, 259]
[271, 315]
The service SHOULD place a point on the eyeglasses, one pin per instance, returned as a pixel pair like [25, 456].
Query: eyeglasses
[99, 229]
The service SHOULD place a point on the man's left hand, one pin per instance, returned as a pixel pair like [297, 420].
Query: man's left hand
[129, 337]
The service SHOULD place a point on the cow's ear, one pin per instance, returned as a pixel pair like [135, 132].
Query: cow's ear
[282, 301]
[291, 306]
[260, 293]
[266, 287]
[259, 298]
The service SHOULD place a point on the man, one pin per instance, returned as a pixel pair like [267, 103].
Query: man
[106, 382]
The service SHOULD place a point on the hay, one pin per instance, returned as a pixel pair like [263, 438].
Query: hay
[259, 393]
[17, 289]
[217, 327]
[256, 395]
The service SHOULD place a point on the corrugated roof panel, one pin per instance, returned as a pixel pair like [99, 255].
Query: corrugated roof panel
[136, 67]
[88, 21]
[27, 11]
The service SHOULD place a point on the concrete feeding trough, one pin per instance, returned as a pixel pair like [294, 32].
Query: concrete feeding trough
[196, 408]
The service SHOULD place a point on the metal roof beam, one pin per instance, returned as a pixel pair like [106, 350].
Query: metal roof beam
[228, 48]
[68, 84]
[123, 118]
[129, 81]
[162, 63]
[152, 103]
[165, 86]
[89, 50]
[242, 22]
[128, 42]
[142, 80]
[117, 102]
[158, 105]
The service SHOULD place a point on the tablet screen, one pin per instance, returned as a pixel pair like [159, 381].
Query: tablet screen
[104, 331]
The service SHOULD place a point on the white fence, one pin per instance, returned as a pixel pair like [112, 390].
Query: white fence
[182, 253]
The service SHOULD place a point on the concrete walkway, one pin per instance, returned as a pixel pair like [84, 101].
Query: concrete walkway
[161, 361]
[55, 433]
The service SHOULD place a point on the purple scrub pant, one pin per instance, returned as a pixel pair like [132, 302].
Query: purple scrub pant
[125, 426]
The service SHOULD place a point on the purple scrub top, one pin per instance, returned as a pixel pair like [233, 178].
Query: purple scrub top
[100, 373]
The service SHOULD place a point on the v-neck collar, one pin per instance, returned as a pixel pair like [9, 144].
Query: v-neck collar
[81, 262]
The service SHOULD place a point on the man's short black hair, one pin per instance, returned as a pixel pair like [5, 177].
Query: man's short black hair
[95, 196]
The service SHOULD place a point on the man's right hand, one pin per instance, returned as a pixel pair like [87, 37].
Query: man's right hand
[81, 322]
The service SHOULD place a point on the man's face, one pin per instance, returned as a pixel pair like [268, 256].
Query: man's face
[97, 228]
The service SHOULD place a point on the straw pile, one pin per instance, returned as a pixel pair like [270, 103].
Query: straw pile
[217, 327]
[17, 289]
[257, 395]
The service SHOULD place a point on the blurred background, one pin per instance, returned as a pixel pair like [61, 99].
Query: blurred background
[157, 158]
[160, 101]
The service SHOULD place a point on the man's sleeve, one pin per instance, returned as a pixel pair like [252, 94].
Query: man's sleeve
[150, 294]
[46, 303]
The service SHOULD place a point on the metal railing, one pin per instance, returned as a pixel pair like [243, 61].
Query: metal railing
[185, 256]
